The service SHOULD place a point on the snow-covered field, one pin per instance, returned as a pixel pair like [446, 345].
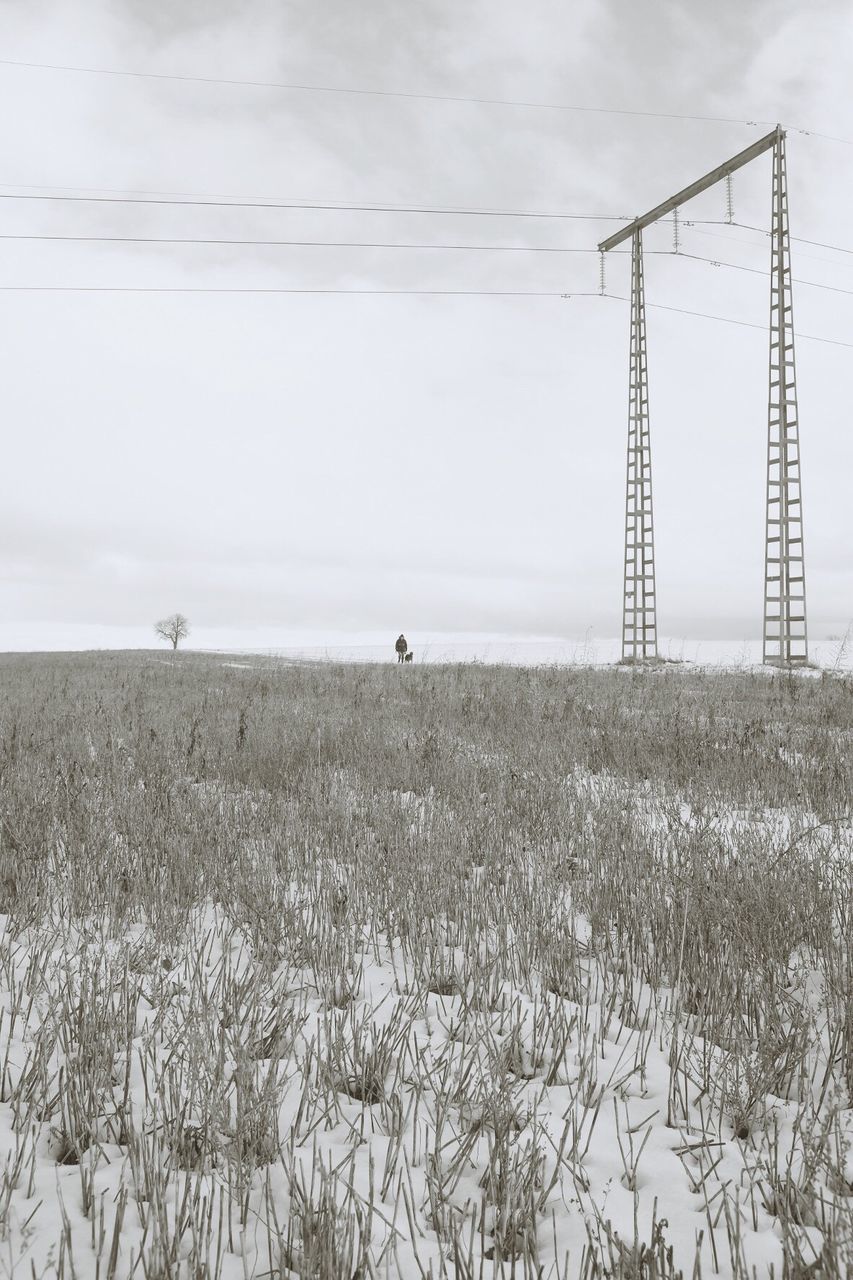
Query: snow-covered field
[588, 649]
[451, 972]
[735, 654]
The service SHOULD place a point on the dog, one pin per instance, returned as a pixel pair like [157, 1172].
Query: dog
[409, 656]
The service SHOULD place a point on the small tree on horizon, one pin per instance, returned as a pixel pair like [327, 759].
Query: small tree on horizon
[174, 628]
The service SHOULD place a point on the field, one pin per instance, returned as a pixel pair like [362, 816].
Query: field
[349, 971]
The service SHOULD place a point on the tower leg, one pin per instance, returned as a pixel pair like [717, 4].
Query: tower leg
[639, 627]
[785, 634]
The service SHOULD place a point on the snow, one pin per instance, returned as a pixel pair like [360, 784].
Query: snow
[587, 649]
[250, 1081]
[586, 1090]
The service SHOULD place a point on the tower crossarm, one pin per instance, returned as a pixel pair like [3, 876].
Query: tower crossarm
[702, 184]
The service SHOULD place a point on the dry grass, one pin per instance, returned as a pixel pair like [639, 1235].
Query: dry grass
[329, 971]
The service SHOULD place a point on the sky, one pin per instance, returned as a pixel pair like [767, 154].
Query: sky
[450, 460]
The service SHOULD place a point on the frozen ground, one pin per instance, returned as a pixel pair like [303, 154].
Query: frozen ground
[322, 974]
[738, 654]
[225, 1082]
[585, 649]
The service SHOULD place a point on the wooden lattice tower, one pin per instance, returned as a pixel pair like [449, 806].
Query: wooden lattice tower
[639, 627]
[785, 634]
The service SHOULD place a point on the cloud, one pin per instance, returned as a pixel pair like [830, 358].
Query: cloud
[315, 459]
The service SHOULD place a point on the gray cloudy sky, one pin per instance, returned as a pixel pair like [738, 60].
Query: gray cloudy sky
[369, 462]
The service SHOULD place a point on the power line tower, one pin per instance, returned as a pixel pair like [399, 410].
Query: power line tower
[785, 634]
[639, 625]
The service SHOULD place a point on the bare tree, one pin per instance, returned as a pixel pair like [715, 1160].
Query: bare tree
[174, 628]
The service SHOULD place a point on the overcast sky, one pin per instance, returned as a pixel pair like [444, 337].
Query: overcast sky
[432, 463]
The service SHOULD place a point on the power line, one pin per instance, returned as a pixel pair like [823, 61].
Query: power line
[375, 244]
[818, 244]
[461, 293]
[697, 223]
[752, 270]
[330, 244]
[179, 199]
[376, 93]
[379, 206]
[442, 293]
[317, 206]
[365, 207]
[745, 324]
[298, 87]
[808, 257]
[748, 226]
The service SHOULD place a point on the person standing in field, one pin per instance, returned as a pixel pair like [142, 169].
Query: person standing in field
[401, 647]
